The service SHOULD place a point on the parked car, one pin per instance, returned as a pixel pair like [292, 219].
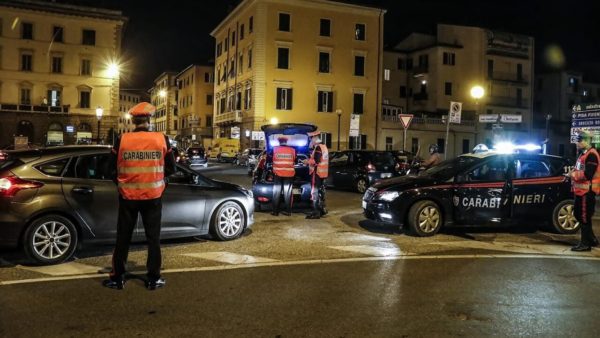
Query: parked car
[297, 135]
[197, 157]
[358, 169]
[484, 189]
[52, 200]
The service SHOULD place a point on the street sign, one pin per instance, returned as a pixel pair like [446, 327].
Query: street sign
[506, 118]
[235, 132]
[354, 124]
[455, 112]
[488, 118]
[258, 136]
[585, 117]
[406, 119]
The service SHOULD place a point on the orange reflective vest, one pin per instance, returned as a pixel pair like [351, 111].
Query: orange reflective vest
[323, 166]
[140, 165]
[582, 185]
[283, 161]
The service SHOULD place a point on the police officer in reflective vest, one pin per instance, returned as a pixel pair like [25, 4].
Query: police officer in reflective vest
[319, 170]
[586, 185]
[284, 158]
[143, 159]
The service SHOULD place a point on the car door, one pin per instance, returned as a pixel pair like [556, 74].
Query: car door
[183, 203]
[481, 195]
[338, 167]
[90, 191]
[536, 186]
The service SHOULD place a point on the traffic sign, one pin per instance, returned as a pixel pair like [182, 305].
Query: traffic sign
[455, 112]
[585, 117]
[405, 119]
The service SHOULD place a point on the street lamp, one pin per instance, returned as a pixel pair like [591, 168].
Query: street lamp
[99, 113]
[477, 92]
[113, 70]
[274, 120]
[339, 115]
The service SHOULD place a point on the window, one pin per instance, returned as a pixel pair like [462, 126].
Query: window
[53, 97]
[88, 37]
[209, 121]
[466, 147]
[54, 168]
[491, 171]
[359, 32]
[226, 44]
[26, 62]
[242, 32]
[95, 167]
[284, 22]
[389, 143]
[358, 103]
[219, 49]
[238, 100]
[424, 60]
[57, 34]
[233, 38]
[449, 58]
[57, 64]
[448, 88]
[409, 63]
[241, 64]
[26, 31]
[386, 74]
[283, 58]
[250, 58]
[284, 99]
[206, 77]
[359, 65]
[323, 62]
[414, 147]
[86, 67]
[401, 64]
[84, 99]
[490, 69]
[402, 91]
[25, 96]
[357, 143]
[209, 100]
[324, 101]
[325, 27]
[251, 24]
[526, 168]
[326, 139]
[248, 98]
[441, 145]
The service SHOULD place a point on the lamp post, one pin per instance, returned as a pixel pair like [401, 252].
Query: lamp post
[99, 113]
[477, 92]
[339, 115]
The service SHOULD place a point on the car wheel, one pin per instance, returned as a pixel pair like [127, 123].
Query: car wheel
[50, 239]
[361, 185]
[424, 218]
[563, 218]
[228, 221]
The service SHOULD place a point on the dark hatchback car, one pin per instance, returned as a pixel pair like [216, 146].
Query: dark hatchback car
[358, 169]
[488, 188]
[52, 200]
[197, 157]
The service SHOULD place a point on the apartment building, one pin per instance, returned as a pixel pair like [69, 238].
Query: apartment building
[127, 99]
[163, 96]
[58, 70]
[195, 86]
[312, 61]
[424, 73]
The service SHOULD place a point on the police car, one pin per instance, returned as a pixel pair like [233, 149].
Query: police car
[485, 188]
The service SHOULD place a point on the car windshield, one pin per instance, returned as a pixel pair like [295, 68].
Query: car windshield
[450, 168]
[195, 151]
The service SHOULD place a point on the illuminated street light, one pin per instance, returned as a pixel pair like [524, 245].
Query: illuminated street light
[162, 93]
[274, 120]
[113, 70]
[99, 113]
[477, 92]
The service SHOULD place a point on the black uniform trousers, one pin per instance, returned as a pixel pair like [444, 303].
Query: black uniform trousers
[151, 213]
[584, 210]
[282, 185]
[317, 194]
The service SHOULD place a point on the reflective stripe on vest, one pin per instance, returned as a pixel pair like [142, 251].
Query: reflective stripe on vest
[140, 165]
[283, 161]
[581, 185]
[323, 166]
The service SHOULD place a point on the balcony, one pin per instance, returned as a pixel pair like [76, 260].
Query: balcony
[512, 102]
[420, 96]
[420, 69]
[440, 121]
[231, 117]
[29, 108]
[508, 77]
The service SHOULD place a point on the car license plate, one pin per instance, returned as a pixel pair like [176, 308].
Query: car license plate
[195, 157]
[386, 175]
[296, 191]
[364, 204]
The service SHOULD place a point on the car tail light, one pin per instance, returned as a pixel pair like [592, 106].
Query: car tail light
[370, 167]
[263, 199]
[11, 185]
[401, 166]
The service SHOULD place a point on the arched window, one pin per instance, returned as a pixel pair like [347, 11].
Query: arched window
[25, 128]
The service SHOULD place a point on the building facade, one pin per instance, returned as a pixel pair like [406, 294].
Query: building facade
[164, 97]
[127, 99]
[195, 105]
[58, 68]
[424, 73]
[312, 61]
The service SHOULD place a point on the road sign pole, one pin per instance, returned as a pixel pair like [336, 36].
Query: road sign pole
[447, 133]
[404, 143]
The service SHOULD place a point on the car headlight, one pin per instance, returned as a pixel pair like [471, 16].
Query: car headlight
[387, 196]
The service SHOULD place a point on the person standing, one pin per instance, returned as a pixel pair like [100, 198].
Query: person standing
[142, 159]
[586, 185]
[319, 170]
[284, 158]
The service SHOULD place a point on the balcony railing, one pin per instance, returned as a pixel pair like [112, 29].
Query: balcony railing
[504, 101]
[509, 77]
[29, 108]
[420, 69]
[440, 121]
[229, 117]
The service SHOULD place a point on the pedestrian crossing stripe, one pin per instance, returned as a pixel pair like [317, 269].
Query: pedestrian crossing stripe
[64, 269]
[230, 258]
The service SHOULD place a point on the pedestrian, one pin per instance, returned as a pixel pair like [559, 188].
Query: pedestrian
[434, 157]
[586, 185]
[319, 170]
[284, 158]
[142, 160]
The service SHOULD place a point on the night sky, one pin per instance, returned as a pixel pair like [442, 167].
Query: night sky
[170, 35]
